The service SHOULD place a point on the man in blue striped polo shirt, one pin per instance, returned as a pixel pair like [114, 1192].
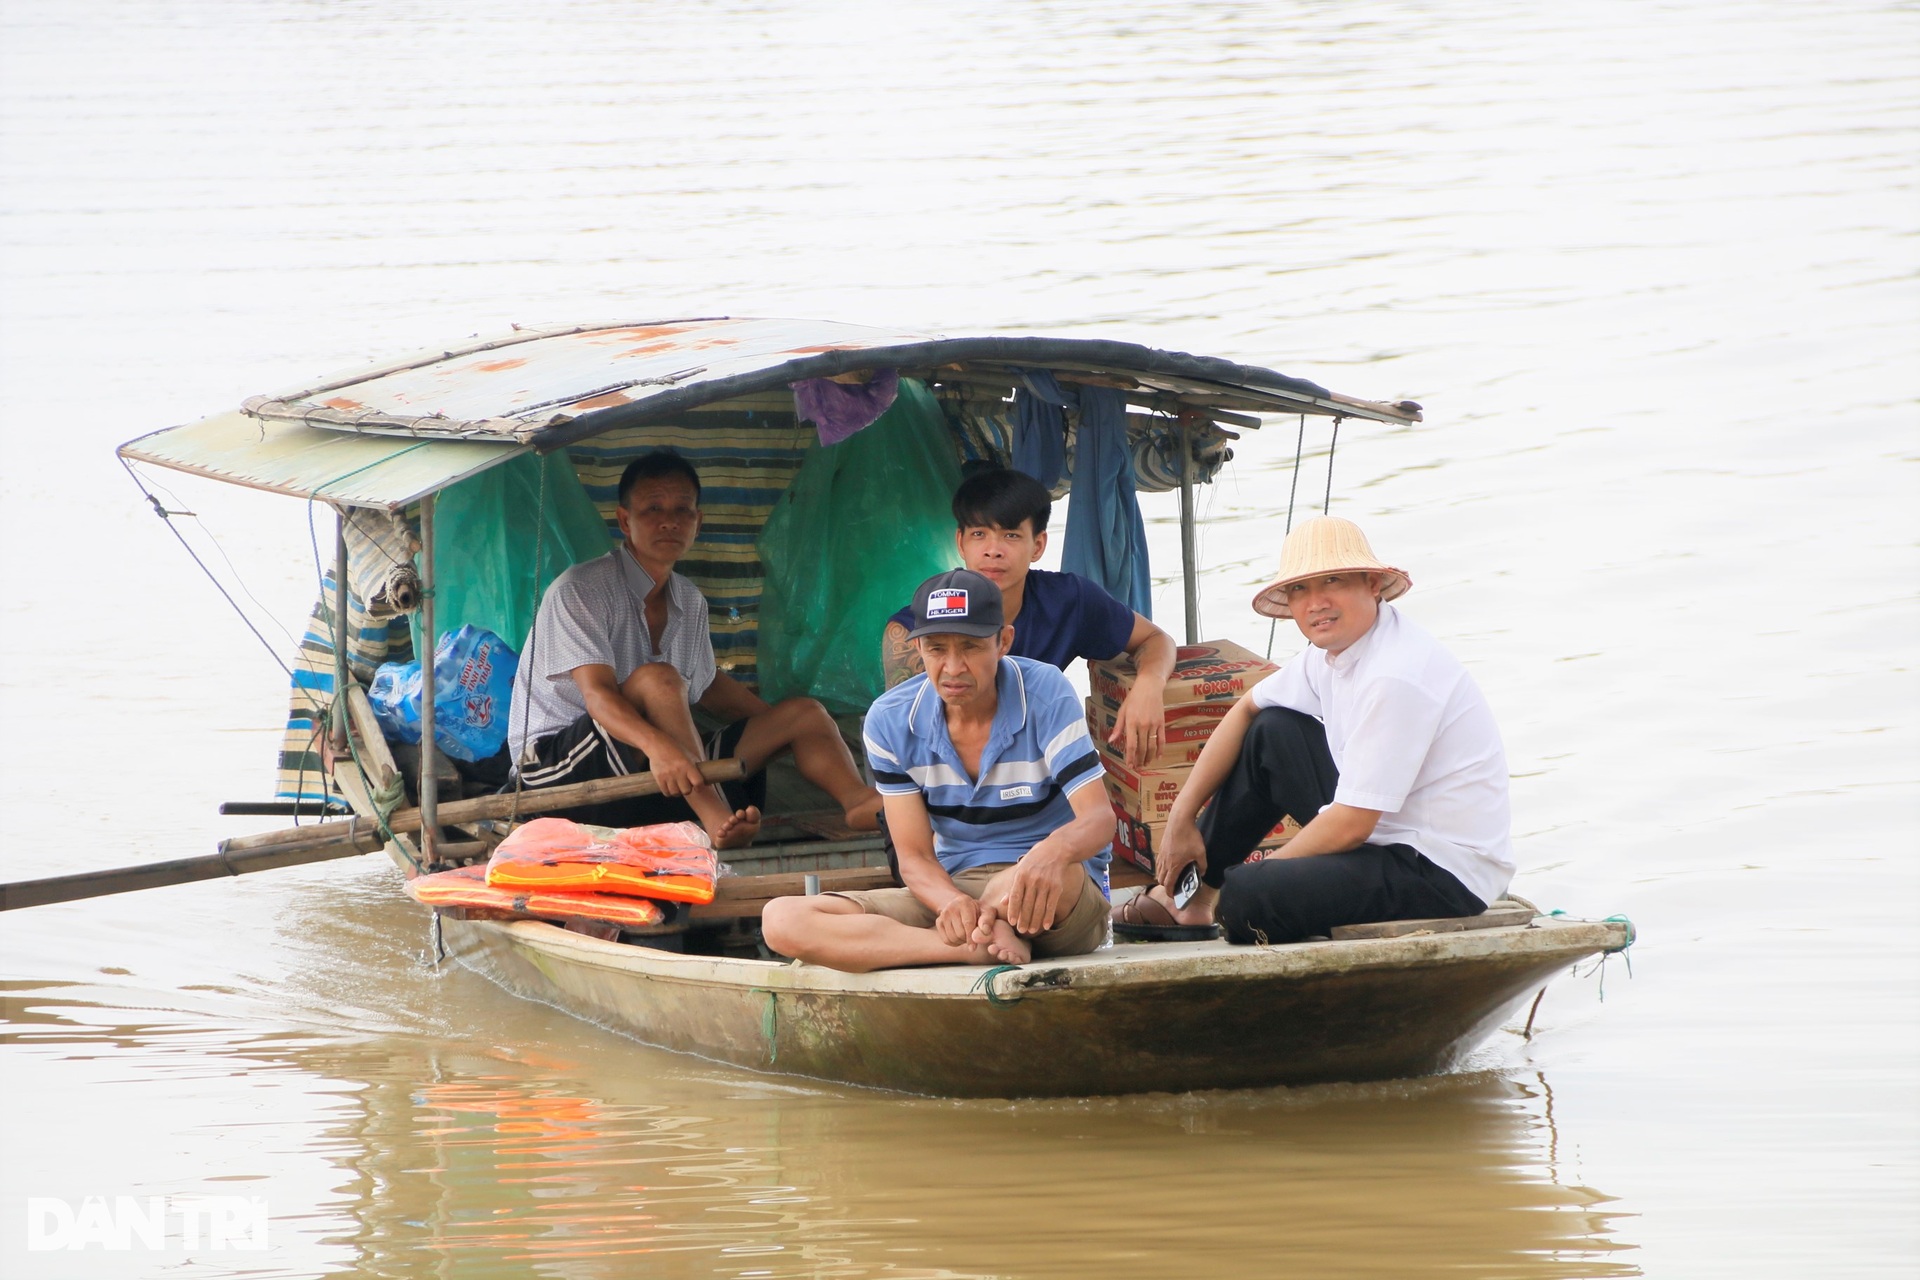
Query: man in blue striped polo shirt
[992, 793]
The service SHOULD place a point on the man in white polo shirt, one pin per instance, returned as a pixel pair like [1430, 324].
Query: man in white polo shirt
[993, 797]
[1375, 739]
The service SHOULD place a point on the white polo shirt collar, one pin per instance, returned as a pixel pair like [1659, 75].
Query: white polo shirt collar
[1348, 660]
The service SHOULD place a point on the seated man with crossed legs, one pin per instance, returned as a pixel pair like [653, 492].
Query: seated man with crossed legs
[993, 797]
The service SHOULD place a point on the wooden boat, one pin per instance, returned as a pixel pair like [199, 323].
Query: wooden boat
[1377, 1002]
[1133, 1018]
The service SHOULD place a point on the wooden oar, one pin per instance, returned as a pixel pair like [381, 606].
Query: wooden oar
[474, 810]
[326, 840]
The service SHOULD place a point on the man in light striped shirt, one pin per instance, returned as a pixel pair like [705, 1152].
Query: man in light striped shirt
[993, 796]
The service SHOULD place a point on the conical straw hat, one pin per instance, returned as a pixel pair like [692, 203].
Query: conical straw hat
[1322, 546]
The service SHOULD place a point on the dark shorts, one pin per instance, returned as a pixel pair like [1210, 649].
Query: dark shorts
[584, 752]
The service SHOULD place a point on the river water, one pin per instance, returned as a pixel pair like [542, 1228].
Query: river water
[1649, 266]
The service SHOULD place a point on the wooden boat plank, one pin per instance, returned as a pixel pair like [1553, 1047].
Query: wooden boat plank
[352, 786]
[1121, 964]
[1499, 915]
[372, 752]
[736, 896]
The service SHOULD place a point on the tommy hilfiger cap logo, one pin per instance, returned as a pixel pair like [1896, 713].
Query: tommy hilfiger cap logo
[957, 602]
[950, 602]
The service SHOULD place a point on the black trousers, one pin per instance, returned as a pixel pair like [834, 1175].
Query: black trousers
[1284, 769]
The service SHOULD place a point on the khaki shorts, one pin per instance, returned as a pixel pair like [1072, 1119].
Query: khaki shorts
[1083, 930]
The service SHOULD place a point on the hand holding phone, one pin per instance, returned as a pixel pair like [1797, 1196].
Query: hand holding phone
[1188, 886]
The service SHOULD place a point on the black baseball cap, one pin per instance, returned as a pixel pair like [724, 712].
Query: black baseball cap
[958, 602]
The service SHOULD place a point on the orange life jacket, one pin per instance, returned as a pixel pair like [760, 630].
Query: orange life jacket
[468, 887]
[673, 861]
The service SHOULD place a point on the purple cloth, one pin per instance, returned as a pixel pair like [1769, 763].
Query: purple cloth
[838, 409]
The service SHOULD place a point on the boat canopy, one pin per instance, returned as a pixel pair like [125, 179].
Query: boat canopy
[398, 430]
[344, 468]
[555, 386]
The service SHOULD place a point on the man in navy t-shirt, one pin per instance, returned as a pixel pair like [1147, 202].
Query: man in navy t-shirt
[1056, 617]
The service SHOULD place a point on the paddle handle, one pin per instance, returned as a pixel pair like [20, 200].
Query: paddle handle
[324, 841]
[539, 800]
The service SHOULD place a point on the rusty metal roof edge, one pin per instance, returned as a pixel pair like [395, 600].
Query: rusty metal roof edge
[434, 355]
[373, 422]
[1119, 356]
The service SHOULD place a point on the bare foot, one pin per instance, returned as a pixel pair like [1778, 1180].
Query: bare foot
[1008, 947]
[738, 830]
[1001, 940]
[865, 816]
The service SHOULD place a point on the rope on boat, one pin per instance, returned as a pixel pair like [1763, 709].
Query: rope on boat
[1293, 490]
[167, 515]
[1293, 486]
[1633, 934]
[984, 985]
[1326, 505]
[1606, 953]
[385, 800]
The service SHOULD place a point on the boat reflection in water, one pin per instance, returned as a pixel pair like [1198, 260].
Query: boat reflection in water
[529, 1164]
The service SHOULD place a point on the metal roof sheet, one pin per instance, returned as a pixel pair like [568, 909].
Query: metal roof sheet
[553, 386]
[334, 466]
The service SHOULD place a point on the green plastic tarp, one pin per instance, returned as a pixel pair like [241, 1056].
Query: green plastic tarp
[486, 530]
[864, 522]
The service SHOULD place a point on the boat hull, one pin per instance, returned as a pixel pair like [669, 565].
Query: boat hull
[1129, 1019]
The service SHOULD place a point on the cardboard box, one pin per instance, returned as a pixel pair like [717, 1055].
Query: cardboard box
[1173, 755]
[1194, 722]
[1144, 794]
[1217, 671]
[1136, 841]
[1181, 745]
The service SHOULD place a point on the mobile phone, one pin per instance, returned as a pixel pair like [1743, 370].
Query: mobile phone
[1188, 886]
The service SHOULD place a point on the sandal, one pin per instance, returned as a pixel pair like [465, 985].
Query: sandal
[1143, 918]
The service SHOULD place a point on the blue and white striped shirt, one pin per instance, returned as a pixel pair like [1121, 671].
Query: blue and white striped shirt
[1038, 753]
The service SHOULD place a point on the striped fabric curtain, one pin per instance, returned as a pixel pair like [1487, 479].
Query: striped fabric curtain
[370, 642]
